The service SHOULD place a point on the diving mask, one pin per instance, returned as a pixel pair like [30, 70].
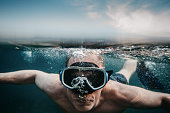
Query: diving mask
[83, 80]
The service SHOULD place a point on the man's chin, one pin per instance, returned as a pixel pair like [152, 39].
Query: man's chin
[83, 107]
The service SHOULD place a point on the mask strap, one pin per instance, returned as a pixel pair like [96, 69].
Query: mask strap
[110, 72]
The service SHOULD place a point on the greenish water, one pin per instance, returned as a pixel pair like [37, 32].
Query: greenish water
[30, 99]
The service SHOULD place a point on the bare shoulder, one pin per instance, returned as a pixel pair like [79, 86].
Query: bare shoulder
[120, 93]
[47, 82]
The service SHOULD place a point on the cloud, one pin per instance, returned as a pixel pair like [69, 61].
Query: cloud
[91, 7]
[93, 15]
[51, 28]
[139, 21]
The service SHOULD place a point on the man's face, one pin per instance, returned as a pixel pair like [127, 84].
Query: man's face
[84, 104]
[91, 100]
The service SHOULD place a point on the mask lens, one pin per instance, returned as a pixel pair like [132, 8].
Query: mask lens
[95, 77]
[69, 75]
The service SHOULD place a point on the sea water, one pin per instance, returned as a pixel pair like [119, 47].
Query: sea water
[30, 99]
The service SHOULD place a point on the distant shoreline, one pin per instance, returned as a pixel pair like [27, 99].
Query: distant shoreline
[91, 43]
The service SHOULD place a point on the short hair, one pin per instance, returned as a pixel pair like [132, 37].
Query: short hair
[84, 53]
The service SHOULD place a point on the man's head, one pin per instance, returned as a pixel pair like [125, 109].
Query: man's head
[85, 56]
[84, 59]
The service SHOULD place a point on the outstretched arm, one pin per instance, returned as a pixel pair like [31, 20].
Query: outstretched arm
[19, 77]
[150, 99]
[141, 98]
[43, 80]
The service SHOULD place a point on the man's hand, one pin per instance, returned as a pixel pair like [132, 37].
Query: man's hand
[166, 103]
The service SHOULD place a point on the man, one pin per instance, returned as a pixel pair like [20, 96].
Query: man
[85, 86]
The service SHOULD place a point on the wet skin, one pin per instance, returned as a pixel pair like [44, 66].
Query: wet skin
[87, 103]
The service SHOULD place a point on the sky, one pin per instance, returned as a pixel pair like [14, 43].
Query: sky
[85, 19]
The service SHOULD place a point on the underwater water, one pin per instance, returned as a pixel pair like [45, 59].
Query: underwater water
[30, 99]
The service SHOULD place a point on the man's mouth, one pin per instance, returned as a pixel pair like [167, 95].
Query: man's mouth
[84, 101]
